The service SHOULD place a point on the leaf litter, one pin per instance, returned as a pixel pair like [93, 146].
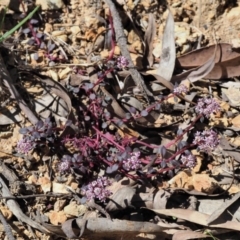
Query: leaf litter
[107, 141]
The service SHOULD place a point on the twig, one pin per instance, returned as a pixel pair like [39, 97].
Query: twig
[37, 195]
[6, 227]
[16, 210]
[122, 43]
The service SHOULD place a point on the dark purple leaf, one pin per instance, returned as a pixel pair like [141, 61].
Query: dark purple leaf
[170, 174]
[144, 113]
[181, 144]
[83, 200]
[119, 123]
[104, 103]
[115, 167]
[24, 130]
[30, 128]
[33, 21]
[202, 119]
[158, 106]
[179, 132]
[39, 124]
[112, 169]
[68, 123]
[43, 135]
[87, 118]
[43, 45]
[152, 170]
[26, 30]
[49, 132]
[162, 150]
[175, 163]
[104, 125]
[31, 41]
[187, 152]
[133, 110]
[92, 96]
[110, 159]
[163, 164]
[107, 115]
[128, 116]
[39, 35]
[50, 46]
[118, 177]
[36, 135]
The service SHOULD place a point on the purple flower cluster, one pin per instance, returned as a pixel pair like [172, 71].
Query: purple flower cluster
[206, 106]
[122, 62]
[24, 146]
[180, 89]
[206, 140]
[133, 162]
[64, 165]
[96, 189]
[189, 160]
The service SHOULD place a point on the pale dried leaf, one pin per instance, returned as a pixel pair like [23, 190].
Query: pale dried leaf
[148, 39]
[188, 234]
[197, 73]
[168, 56]
[57, 217]
[216, 214]
[197, 217]
[121, 199]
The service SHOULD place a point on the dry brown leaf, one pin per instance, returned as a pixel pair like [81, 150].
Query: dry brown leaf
[59, 204]
[196, 217]
[59, 188]
[236, 121]
[57, 217]
[204, 183]
[233, 95]
[197, 73]
[200, 56]
[6, 213]
[182, 180]
[75, 209]
[225, 69]
[126, 131]
[45, 184]
[236, 141]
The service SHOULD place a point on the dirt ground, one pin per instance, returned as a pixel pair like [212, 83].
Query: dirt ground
[96, 95]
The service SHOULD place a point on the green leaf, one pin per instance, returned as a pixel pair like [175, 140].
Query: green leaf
[9, 33]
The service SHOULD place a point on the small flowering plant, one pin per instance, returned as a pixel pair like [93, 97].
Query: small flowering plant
[102, 149]
[97, 189]
[206, 106]
[99, 152]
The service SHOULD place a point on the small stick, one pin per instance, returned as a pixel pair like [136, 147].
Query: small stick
[122, 43]
[37, 195]
[6, 227]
